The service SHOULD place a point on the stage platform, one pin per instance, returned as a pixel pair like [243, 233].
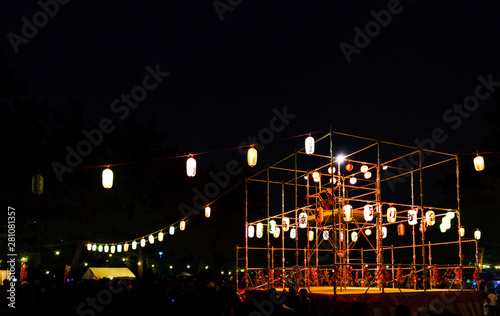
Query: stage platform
[325, 302]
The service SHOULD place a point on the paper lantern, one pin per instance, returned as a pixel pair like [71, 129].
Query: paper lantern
[331, 170]
[477, 234]
[106, 248]
[107, 178]
[316, 176]
[252, 156]
[319, 215]
[112, 249]
[442, 228]
[401, 229]
[430, 218]
[191, 167]
[99, 248]
[272, 226]
[171, 230]
[368, 175]
[384, 232]
[347, 212]
[461, 231]
[303, 220]
[309, 145]
[160, 236]
[208, 210]
[450, 215]
[391, 214]
[348, 167]
[251, 231]
[89, 247]
[293, 233]
[151, 239]
[260, 230]
[354, 236]
[37, 184]
[333, 180]
[446, 222]
[353, 180]
[125, 247]
[422, 227]
[285, 223]
[368, 212]
[311, 235]
[276, 232]
[479, 163]
[326, 235]
[412, 217]
[341, 236]
[368, 232]
[119, 248]
[364, 168]
[134, 245]
[182, 225]
[143, 242]
[94, 247]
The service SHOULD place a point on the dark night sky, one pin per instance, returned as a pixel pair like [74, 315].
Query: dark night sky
[227, 76]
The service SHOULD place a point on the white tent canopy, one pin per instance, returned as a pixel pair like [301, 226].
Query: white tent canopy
[94, 273]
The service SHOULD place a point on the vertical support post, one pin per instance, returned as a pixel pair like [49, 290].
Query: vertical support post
[380, 257]
[413, 228]
[282, 234]
[268, 234]
[460, 255]
[236, 272]
[246, 233]
[422, 224]
[296, 221]
[392, 262]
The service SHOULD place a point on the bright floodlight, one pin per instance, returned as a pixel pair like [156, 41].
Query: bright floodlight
[340, 158]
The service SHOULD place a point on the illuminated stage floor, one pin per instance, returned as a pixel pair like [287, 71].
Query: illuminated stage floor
[328, 290]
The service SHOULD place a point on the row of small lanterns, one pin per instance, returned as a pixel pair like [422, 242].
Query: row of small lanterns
[430, 220]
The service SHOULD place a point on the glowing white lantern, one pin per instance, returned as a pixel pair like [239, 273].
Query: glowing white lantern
[151, 239]
[182, 225]
[311, 235]
[106, 248]
[293, 233]
[251, 231]
[309, 145]
[412, 217]
[112, 249]
[99, 248]
[94, 247]
[331, 170]
[89, 246]
[252, 156]
[160, 236]
[354, 236]
[260, 230]
[134, 245]
[364, 168]
[391, 214]
[341, 236]
[276, 232]
[272, 226]
[171, 230]
[450, 215]
[326, 235]
[353, 180]
[316, 176]
[107, 178]
[442, 228]
[347, 212]
[119, 248]
[368, 212]
[191, 167]
[477, 234]
[384, 232]
[368, 232]
[143, 242]
[208, 210]
[446, 223]
[461, 231]
[285, 223]
[303, 220]
[430, 218]
[479, 163]
[368, 175]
